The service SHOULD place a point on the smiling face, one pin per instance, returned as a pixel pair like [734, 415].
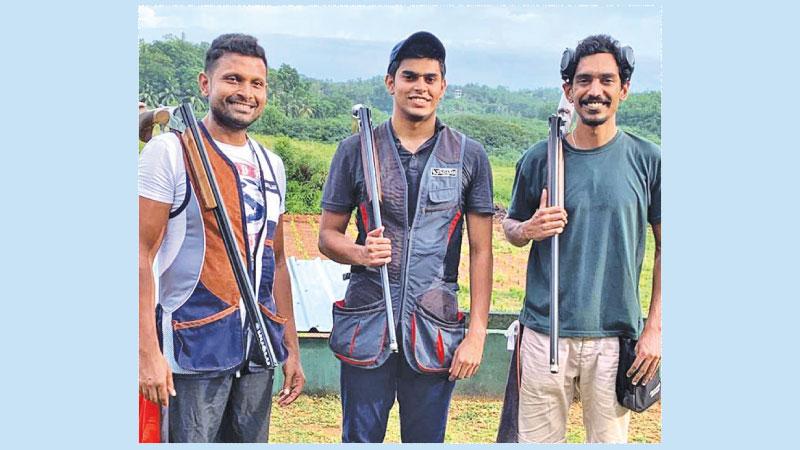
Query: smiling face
[596, 89]
[417, 88]
[236, 88]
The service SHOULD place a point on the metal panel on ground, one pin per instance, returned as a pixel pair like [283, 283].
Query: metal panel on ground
[316, 284]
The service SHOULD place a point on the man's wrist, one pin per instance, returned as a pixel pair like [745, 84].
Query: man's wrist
[521, 235]
[292, 347]
[653, 325]
[148, 353]
[361, 255]
[477, 333]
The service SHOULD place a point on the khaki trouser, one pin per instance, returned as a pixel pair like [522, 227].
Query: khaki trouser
[586, 364]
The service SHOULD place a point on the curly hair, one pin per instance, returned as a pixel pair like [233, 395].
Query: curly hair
[601, 43]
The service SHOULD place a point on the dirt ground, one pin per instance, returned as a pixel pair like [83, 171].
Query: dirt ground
[302, 231]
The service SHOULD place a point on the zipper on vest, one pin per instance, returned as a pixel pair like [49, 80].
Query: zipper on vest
[410, 231]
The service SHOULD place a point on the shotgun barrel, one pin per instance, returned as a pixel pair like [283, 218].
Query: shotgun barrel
[371, 170]
[559, 124]
[212, 200]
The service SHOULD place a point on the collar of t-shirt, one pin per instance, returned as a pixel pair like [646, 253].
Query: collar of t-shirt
[414, 164]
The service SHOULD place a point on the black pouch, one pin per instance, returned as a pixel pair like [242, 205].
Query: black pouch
[640, 397]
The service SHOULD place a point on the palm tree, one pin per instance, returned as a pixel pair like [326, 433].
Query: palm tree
[305, 111]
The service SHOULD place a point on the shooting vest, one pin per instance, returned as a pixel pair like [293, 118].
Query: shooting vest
[423, 273]
[202, 324]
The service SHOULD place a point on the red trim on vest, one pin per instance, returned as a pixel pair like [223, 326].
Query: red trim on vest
[339, 303]
[353, 340]
[440, 348]
[364, 217]
[414, 349]
[453, 225]
[368, 362]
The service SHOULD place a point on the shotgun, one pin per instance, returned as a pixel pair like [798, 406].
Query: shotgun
[369, 160]
[183, 120]
[559, 124]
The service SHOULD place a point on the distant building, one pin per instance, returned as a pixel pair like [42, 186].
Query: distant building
[458, 93]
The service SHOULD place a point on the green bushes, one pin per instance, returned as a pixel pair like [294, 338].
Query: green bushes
[305, 178]
[274, 122]
[505, 138]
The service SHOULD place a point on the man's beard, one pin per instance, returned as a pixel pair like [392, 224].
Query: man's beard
[228, 121]
[592, 122]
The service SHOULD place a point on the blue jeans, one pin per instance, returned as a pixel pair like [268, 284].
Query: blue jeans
[221, 409]
[368, 396]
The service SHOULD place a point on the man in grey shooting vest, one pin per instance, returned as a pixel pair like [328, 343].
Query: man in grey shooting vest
[432, 179]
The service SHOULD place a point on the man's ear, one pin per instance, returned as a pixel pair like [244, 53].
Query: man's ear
[623, 94]
[203, 82]
[444, 87]
[567, 87]
[388, 80]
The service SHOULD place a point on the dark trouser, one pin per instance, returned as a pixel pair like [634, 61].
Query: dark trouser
[221, 409]
[368, 395]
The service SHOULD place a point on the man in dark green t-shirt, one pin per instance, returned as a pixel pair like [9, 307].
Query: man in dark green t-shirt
[612, 192]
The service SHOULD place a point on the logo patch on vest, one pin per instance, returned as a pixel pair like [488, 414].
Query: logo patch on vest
[443, 172]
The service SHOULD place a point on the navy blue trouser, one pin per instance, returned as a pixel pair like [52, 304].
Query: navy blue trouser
[368, 396]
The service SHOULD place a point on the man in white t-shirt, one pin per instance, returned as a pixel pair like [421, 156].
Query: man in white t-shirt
[198, 357]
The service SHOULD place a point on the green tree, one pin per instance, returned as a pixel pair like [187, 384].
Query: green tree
[168, 71]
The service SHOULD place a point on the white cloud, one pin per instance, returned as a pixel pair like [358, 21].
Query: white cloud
[326, 33]
[528, 28]
[148, 17]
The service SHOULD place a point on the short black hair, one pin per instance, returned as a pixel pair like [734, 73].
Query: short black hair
[414, 53]
[601, 43]
[417, 50]
[242, 44]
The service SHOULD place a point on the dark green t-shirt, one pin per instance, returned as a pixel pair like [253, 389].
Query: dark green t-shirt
[611, 194]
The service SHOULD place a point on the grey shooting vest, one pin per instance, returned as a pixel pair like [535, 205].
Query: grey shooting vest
[424, 268]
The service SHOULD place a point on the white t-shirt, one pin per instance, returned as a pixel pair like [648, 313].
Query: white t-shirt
[162, 177]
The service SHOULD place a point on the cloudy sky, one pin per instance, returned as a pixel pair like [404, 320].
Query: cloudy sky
[514, 46]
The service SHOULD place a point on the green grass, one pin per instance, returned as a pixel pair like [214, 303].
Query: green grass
[646, 278]
[503, 180]
[317, 419]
